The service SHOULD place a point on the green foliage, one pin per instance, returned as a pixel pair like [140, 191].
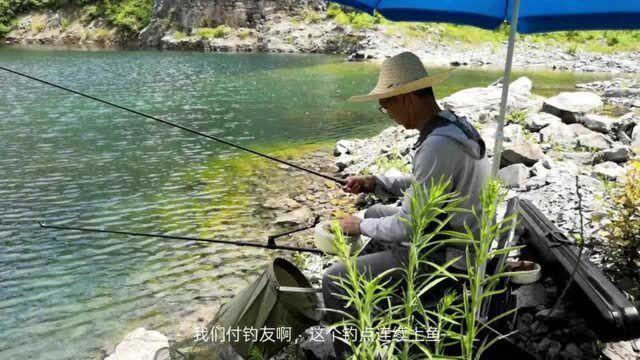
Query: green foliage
[623, 230]
[4, 29]
[572, 49]
[517, 117]
[244, 33]
[356, 19]
[310, 16]
[217, 32]
[37, 25]
[65, 23]
[89, 12]
[101, 35]
[179, 35]
[129, 15]
[379, 304]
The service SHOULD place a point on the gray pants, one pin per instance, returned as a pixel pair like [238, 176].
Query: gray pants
[375, 258]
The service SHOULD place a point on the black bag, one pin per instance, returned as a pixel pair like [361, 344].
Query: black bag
[613, 316]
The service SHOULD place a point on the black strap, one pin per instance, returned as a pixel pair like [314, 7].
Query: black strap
[440, 121]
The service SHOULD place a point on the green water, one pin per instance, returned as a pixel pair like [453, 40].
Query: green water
[72, 161]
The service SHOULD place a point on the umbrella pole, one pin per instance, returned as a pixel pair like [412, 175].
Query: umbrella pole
[497, 148]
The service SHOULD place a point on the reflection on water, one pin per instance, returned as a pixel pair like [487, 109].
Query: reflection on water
[69, 160]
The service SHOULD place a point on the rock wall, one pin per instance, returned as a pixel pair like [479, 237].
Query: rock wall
[190, 14]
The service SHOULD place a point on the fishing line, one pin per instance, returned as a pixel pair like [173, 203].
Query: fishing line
[270, 245]
[339, 181]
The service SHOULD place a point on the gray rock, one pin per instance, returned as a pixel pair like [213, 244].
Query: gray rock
[595, 141]
[298, 216]
[473, 102]
[618, 154]
[608, 170]
[572, 106]
[535, 182]
[554, 350]
[577, 157]
[343, 147]
[514, 176]
[140, 344]
[598, 123]
[524, 153]
[513, 133]
[559, 134]
[541, 168]
[635, 137]
[538, 121]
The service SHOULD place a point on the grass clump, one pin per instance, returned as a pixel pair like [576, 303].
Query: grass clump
[179, 35]
[37, 25]
[244, 33]
[517, 117]
[221, 31]
[453, 323]
[356, 19]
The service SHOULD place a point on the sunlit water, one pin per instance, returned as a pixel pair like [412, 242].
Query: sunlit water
[72, 161]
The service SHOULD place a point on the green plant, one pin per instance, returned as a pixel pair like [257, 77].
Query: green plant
[217, 32]
[572, 49]
[129, 15]
[37, 25]
[310, 16]
[334, 10]
[4, 29]
[64, 24]
[179, 35]
[623, 229]
[455, 317]
[517, 117]
[244, 33]
[101, 35]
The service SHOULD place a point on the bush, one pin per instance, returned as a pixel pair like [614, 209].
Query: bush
[334, 10]
[101, 35]
[89, 12]
[244, 33]
[217, 32]
[179, 35]
[129, 15]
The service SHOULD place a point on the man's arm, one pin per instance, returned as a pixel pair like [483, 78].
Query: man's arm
[429, 165]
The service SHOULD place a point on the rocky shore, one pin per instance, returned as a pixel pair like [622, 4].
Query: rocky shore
[548, 142]
[296, 27]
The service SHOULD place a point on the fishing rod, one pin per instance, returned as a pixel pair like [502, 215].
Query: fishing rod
[270, 245]
[332, 178]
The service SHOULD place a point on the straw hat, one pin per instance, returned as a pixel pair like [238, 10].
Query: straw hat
[401, 74]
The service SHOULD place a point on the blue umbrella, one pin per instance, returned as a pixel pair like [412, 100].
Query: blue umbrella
[525, 16]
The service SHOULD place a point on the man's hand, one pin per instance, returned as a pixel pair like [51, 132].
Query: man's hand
[360, 184]
[350, 225]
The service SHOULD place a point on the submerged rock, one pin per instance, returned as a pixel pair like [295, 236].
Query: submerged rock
[300, 216]
[140, 344]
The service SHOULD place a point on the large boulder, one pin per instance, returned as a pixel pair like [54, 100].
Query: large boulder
[559, 134]
[598, 123]
[618, 154]
[538, 121]
[514, 176]
[572, 106]
[594, 141]
[479, 102]
[524, 153]
[140, 344]
[608, 170]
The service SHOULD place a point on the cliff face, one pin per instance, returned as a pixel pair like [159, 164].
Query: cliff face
[188, 14]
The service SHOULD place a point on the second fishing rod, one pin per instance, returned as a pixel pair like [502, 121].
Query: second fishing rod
[328, 177]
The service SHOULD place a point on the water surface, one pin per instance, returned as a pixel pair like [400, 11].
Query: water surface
[72, 161]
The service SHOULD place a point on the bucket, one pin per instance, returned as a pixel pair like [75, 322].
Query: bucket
[266, 319]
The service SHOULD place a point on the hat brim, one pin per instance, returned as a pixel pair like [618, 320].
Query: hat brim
[421, 83]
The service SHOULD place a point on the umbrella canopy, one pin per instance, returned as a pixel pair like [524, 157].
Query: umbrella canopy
[534, 15]
[525, 16]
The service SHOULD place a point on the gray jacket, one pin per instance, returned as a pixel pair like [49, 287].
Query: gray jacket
[447, 152]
